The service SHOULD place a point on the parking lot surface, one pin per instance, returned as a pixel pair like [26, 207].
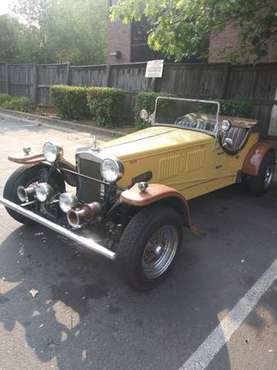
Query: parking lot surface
[62, 309]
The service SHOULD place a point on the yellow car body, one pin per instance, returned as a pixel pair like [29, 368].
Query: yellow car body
[191, 162]
[135, 189]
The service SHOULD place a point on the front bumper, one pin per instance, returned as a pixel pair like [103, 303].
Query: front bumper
[87, 243]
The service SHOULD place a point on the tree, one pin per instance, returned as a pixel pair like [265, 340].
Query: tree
[180, 26]
[76, 31]
[10, 35]
[63, 30]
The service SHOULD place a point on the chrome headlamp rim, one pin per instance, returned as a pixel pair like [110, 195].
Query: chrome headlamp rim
[118, 165]
[43, 191]
[55, 155]
[67, 201]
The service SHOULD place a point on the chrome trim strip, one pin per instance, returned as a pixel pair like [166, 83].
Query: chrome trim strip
[88, 243]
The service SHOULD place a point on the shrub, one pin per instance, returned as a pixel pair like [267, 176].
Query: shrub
[70, 101]
[106, 105]
[236, 108]
[19, 103]
[146, 100]
[4, 98]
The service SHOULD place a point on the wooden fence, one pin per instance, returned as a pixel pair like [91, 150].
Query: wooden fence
[218, 81]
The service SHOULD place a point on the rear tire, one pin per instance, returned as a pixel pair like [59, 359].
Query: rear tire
[24, 176]
[148, 246]
[261, 183]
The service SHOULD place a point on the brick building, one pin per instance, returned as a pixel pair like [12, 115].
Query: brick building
[224, 44]
[128, 43]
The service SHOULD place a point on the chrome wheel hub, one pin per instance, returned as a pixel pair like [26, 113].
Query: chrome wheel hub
[160, 251]
[268, 177]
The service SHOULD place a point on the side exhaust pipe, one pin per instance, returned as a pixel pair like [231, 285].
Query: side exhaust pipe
[78, 216]
[88, 243]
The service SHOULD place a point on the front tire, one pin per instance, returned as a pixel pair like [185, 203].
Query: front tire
[148, 246]
[261, 183]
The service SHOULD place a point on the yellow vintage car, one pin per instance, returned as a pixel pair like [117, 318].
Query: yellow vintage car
[134, 191]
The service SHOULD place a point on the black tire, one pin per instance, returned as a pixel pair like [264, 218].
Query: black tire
[130, 254]
[258, 185]
[24, 176]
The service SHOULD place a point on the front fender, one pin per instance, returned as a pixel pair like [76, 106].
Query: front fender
[254, 158]
[156, 193]
[66, 168]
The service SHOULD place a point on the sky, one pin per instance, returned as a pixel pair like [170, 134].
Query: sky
[4, 6]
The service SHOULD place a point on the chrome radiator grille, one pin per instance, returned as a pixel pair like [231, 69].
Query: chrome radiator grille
[89, 190]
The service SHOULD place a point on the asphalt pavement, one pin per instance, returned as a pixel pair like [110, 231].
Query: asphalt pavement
[63, 309]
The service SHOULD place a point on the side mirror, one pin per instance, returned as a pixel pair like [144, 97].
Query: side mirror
[225, 125]
[144, 115]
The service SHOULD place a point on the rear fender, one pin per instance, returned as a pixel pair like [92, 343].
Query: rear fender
[254, 158]
[158, 193]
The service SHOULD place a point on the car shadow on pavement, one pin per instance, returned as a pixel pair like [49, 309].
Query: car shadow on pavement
[83, 316]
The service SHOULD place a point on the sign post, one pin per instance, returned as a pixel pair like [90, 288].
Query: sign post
[154, 69]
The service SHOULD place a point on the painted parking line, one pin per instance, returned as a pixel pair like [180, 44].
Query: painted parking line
[206, 352]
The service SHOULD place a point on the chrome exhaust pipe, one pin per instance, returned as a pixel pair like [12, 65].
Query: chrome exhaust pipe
[78, 216]
[24, 194]
[88, 243]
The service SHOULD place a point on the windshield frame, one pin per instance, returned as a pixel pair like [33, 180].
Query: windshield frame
[216, 126]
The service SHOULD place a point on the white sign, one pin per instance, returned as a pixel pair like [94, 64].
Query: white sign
[154, 68]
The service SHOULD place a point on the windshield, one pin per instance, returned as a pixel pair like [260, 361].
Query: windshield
[198, 115]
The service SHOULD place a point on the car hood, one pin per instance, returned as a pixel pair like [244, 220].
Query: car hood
[154, 140]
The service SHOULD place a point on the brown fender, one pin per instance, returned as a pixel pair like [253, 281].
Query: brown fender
[254, 158]
[63, 165]
[156, 193]
[27, 159]
[69, 172]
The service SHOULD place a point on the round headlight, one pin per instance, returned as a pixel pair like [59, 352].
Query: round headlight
[43, 191]
[67, 202]
[111, 170]
[52, 152]
[225, 125]
[144, 115]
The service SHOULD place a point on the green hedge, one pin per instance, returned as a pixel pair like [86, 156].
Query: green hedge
[4, 98]
[236, 108]
[146, 100]
[70, 101]
[19, 103]
[106, 105]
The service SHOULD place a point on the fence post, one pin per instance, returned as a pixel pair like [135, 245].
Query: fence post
[34, 83]
[68, 82]
[108, 75]
[7, 80]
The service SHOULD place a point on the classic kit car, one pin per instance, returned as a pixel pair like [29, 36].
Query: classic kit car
[134, 190]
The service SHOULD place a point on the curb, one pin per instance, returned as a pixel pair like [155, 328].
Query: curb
[59, 123]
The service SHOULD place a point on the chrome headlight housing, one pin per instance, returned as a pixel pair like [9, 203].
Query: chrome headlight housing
[67, 201]
[43, 192]
[111, 170]
[52, 152]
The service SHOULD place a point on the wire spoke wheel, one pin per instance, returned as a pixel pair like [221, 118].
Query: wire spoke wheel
[268, 177]
[160, 251]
